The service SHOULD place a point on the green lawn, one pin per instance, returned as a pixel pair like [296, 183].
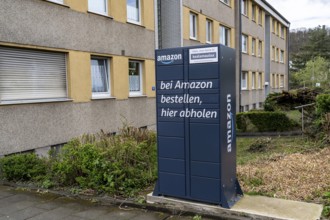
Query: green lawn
[277, 145]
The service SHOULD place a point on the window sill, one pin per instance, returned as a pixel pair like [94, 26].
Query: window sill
[136, 24]
[35, 101]
[60, 4]
[99, 14]
[193, 38]
[137, 96]
[102, 98]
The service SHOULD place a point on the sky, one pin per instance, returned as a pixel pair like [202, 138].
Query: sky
[304, 13]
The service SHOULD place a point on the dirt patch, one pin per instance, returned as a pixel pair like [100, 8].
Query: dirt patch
[296, 176]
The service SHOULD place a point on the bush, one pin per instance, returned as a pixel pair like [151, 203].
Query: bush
[264, 121]
[117, 164]
[323, 104]
[121, 164]
[23, 167]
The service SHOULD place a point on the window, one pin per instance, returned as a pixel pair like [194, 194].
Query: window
[193, 26]
[57, 1]
[254, 10]
[282, 56]
[34, 75]
[244, 7]
[244, 43]
[276, 55]
[209, 31]
[100, 77]
[135, 78]
[254, 106]
[225, 36]
[282, 31]
[260, 81]
[278, 29]
[253, 46]
[273, 25]
[226, 2]
[244, 80]
[260, 48]
[281, 81]
[253, 80]
[98, 6]
[273, 53]
[134, 11]
[273, 81]
[260, 16]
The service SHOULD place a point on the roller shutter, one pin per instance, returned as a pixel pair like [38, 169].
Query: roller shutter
[32, 74]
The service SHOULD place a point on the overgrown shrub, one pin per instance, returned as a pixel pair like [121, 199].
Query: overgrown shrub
[117, 164]
[288, 100]
[263, 121]
[121, 164]
[22, 167]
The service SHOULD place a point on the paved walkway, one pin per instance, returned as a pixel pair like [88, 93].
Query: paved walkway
[16, 204]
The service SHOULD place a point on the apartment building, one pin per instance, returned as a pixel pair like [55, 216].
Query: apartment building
[254, 28]
[69, 67]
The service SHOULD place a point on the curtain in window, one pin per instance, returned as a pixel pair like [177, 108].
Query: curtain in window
[134, 77]
[134, 83]
[133, 10]
[100, 79]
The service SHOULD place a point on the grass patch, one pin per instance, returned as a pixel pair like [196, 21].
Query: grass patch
[276, 147]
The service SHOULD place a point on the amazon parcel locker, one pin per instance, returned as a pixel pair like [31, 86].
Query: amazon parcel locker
[196, 102]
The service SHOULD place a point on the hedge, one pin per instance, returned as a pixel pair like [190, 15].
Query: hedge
[262, 121]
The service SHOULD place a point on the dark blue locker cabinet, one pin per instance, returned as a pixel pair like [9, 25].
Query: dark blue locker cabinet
[196, 104]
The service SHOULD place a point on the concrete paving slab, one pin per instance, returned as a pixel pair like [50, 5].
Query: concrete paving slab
[248, 207]
[23, 214]
[92, 213]
[278, 208]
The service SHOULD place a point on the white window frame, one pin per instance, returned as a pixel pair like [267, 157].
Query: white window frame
[103, 12]
[244, 5]
[209, 32]
[140, 92]
[259, 80]
[193, 26]
[254, 46]
[134, 21]
[225, 35]
[245, 40]
[57, 1]
[260, 48]
[253, 78]
[107, 68]
[244, 78]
